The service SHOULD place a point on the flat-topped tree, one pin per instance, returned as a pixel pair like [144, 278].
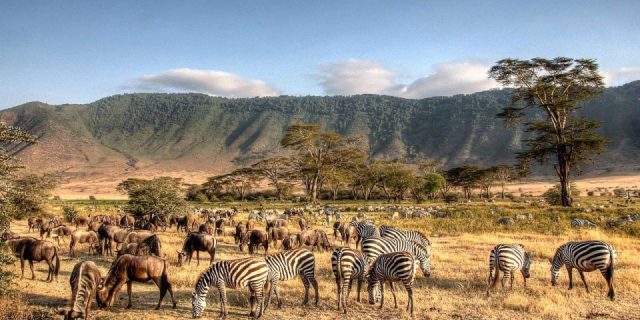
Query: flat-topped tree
[557, 87]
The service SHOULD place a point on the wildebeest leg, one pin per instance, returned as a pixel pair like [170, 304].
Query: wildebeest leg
[33, 275]
[22, 266]
[586, 286]
[163, 290]
[198, 257]
[129, 285]
[212, 254]
[52, 269]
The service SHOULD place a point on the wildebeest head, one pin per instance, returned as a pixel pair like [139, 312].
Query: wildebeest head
[181, 257]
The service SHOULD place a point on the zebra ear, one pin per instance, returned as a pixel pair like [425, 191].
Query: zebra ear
[550, 260]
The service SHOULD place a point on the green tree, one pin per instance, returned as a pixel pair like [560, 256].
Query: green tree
[320, 153]
[466, 178]
[433, 183]
[396, 179]
[277, 171]
[161, 196]
[30, 193]
[237, 183]
[504, 174]
[556, 88]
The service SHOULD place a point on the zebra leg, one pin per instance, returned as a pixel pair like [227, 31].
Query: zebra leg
[505, 276]
[393, 292]
[305, 282]
[223, 299]
[314, 283]
[583, 280]
[512, 277]
[344, 294]
[339, 291]
[359, 286]
[570, 273]
[381, 294]
[274, 288]
[259, 291]
[410, 302]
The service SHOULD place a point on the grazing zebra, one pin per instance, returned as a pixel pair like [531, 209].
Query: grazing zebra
[586, 256]
[392, 267]
[508, 258]
[347, 264]
[374, 247]
[576, 223]
[395, 233]
[287, 265]
[85, 279]
[364, 230]
[240, 273]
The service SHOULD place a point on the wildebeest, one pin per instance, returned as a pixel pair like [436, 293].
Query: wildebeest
[196, 242]
[290, 242]
[80, 221]
[106, 232]
[149, 246]
[276, 223]
[137, 236]
[207, 228]
[45, 228]
[127, 221]
[8, 234]
[303, 224]
[251, 225]
[94, 226]
[240, 231]
[81, 236]
[279, 233]
[221, 224]
[314, 238]
[129, 268]
[85, 280]
[32, 250]
[34, 223]
[61, 232]
[255, 238]
[345, 231]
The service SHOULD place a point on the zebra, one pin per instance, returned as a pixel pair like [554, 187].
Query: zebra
[576, 223]
[586, 256]
[347, 264]
[364, 230]
[395, 233]
[374, 247]
[508, 258]
[247, 272]
[287, 265]
[392, 267]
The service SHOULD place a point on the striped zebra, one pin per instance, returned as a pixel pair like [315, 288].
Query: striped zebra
[395, 233]
[577, 223]
[287, 265]
[392, 267]
[85, 279]
[586, 256]
[374, 247]
[248, 272]
[347, 264]
[364, 230]
[508, 258]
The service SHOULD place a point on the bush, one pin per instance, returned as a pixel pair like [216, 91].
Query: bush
[451, 197]
[552, 196]
[70, 213]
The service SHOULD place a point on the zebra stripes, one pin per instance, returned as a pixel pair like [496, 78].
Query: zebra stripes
[508, 258]
[364, 230]
[347, 264]
[287, 265]
[577, 223]
[240, 273]
[585, 256]
[85, 279]
[374, 247]
[395, 233]
[392, 267]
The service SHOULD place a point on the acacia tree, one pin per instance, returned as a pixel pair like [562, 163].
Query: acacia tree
[466, 178]
[277, 171]
[433, 183]
[320, 153]
[555, 87]
[161, 196]
[504, 173]
[239, 182]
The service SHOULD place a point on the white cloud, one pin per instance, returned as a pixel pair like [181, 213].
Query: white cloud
[621, 76]
[358, 76]
[217, 83]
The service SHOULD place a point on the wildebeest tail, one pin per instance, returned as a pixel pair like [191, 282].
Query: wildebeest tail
[55, 253]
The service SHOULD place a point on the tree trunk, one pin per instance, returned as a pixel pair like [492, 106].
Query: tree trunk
[314, 190]
[502, 193]
[563, 169]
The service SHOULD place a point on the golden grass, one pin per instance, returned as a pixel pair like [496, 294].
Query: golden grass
[455, 290]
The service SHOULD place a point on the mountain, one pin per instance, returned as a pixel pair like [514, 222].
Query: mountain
[195, 135]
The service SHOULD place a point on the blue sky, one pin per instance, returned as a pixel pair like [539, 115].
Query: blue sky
[80, 51]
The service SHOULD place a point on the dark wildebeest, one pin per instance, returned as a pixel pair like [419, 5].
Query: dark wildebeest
[303, 224]
[106, 233]
[197, 242]
[129, 268]
[45, 228]
[290, 242]
[251, 225]
[276, 234]
[254, 238]
[207, 228]
[81, 236]
[61, 232]
[221, 224]
[149, 246]
[85, 280]
[127, 221]
[138, 236]
[276, 223]
[314, 238]
[80, 221]
[240, 231]
[34, 223]
[32, 250]
[94, 226]
[182, 223]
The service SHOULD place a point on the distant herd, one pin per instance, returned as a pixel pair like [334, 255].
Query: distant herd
[387, 255]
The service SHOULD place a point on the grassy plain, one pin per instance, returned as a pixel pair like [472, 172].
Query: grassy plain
[455, 290]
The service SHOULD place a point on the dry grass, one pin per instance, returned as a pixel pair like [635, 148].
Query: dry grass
[456, 288]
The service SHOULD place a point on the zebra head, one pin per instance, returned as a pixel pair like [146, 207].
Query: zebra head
[526, 267]
[374, 290]
[556, 263]
[423, 254]
[198, 303]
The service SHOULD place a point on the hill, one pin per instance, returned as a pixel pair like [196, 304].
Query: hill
[195, 135]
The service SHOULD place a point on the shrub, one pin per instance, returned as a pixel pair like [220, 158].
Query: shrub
[70, 213]
[552, 196]
[451, 197]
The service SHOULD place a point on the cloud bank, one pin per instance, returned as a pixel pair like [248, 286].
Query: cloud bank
[362, 76]
[212, 82]
[621, 76]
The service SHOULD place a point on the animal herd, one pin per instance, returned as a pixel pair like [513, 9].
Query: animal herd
[386, 255]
